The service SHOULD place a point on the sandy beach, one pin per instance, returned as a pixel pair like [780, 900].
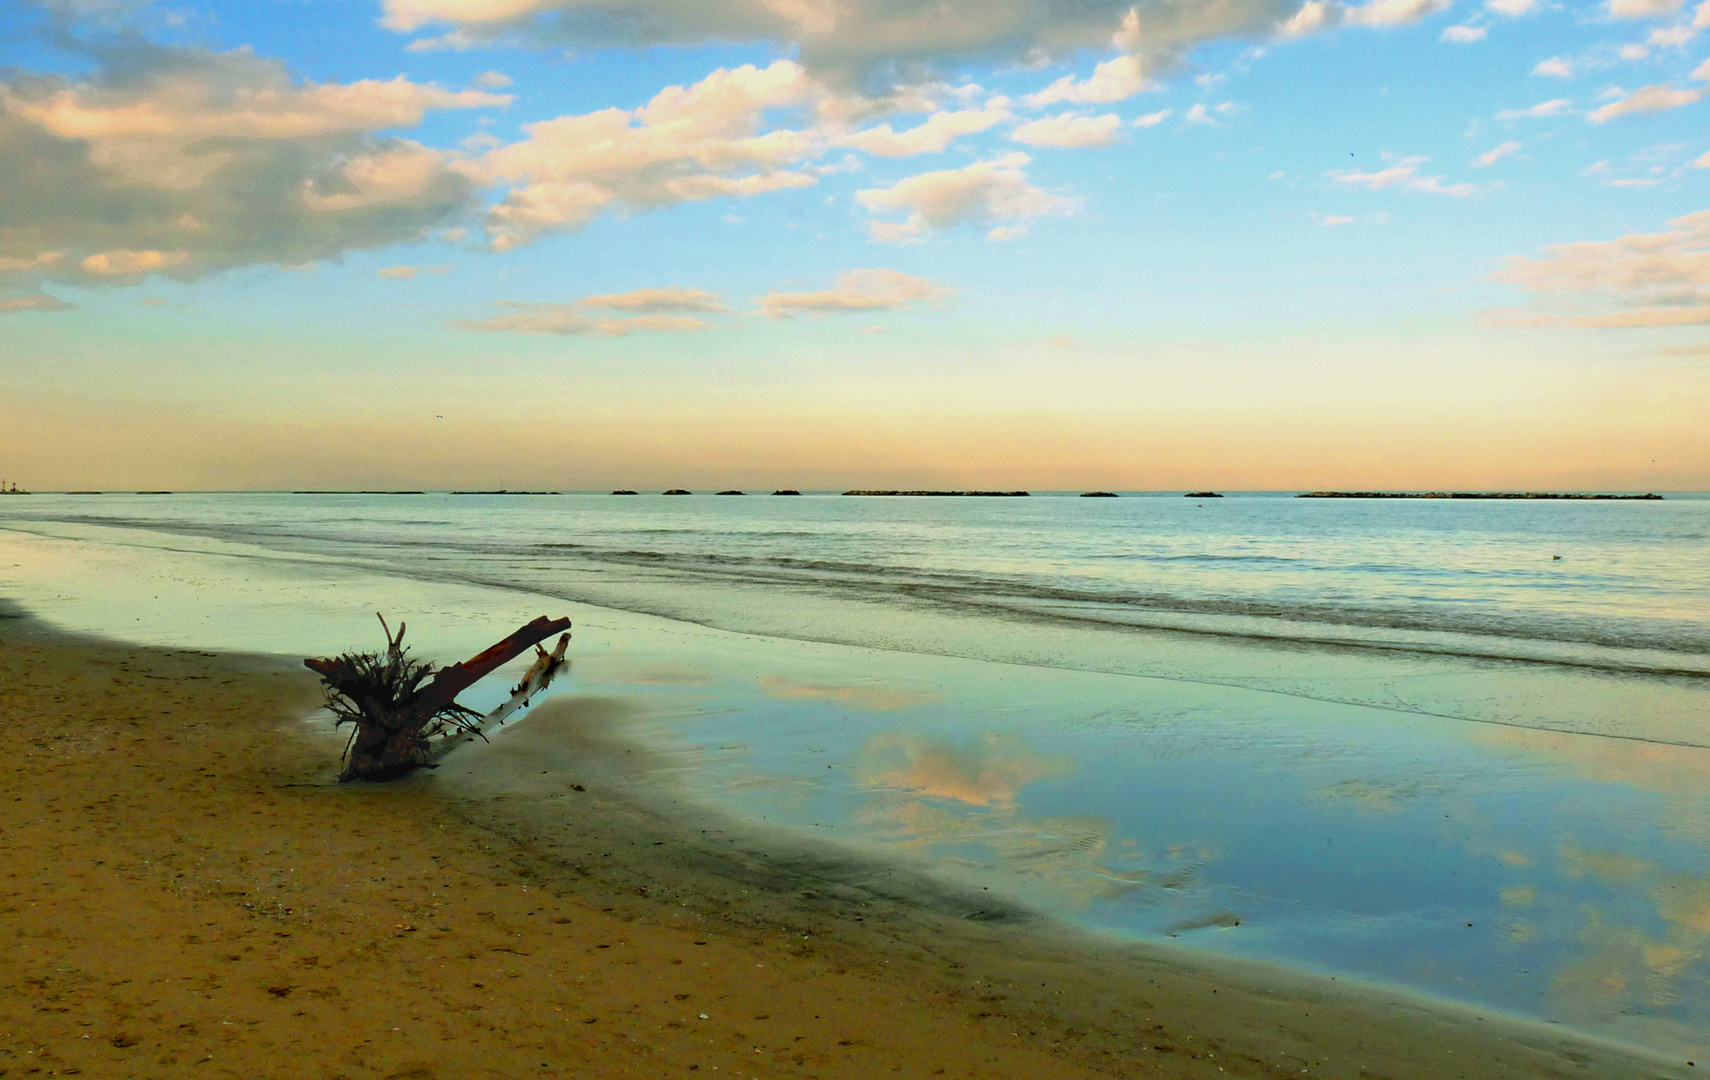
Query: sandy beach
[186, 891]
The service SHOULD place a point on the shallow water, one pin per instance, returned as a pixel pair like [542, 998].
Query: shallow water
[1397, 741]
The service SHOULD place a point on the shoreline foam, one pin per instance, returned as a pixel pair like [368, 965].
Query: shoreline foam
[909, 971]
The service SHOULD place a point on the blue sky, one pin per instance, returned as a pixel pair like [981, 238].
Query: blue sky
[585, 243]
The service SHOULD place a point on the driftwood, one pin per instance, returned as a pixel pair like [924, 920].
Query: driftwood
[406, 713]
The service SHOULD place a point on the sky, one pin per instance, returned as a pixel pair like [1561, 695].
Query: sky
[1045, 244]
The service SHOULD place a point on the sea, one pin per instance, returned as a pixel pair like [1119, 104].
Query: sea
[1459, 747]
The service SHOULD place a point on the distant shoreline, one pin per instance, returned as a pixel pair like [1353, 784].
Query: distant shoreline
[1648, 496]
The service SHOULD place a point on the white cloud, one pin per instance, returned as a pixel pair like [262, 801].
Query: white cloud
[214, 160]
[1512, 8]
[687, 143]
[1201, 113]
[1462, 35]
[405, 273]
[931, 136]
[858, 290]
[1069, 130]
[656, 309]
[1310, 18]
[1632, 52]
[1702, 163]
[1642, 9]
[670, 298]
[1333, 220]
[1646, 99]
[1113, 80]
[1152, 119]
[1393, 12]
[1005, 233]
[1663, 277]
[569, 320]
[497, 80]
[987, 191]
[124, 262]
[1667, 37]
[1316, 16]
[1404, 174]
[33, 302]
[1492, 156]
[1553, 107]
[1555, 67]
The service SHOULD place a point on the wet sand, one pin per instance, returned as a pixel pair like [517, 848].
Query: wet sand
[184, 891]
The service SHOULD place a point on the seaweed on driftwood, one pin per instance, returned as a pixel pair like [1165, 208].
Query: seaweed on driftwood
[405, 711]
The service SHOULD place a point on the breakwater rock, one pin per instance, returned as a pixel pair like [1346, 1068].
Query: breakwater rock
[968, 494]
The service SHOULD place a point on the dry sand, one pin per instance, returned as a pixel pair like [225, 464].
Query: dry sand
[185, 893]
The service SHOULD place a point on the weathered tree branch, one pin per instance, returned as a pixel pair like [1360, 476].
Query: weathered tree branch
[402, 724]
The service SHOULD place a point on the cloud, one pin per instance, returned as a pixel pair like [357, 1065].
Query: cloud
[1555, 67]
[1463, 35]
[124, 263]
[858, 290]
[660, 309]
[1069, 130]
[1393, 12]
[1664, 278]
[850, 42]
[33, 302]
[1553, 107]
[688, 143]
[1642, 9]
[186, 162]
[497, 80]
[1492, 156]
[1647, 317]
[1646, 99]
[931, 136]
[1152, 119]
[19, 264]
[671, 298]
[405, 273]
[570, 320]
[1512, 8]
[1113, 80]
[1316, 16]
[987, 191]
[1201, 113]
[1404, 174]
[1681, 33]
[1333, 220]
